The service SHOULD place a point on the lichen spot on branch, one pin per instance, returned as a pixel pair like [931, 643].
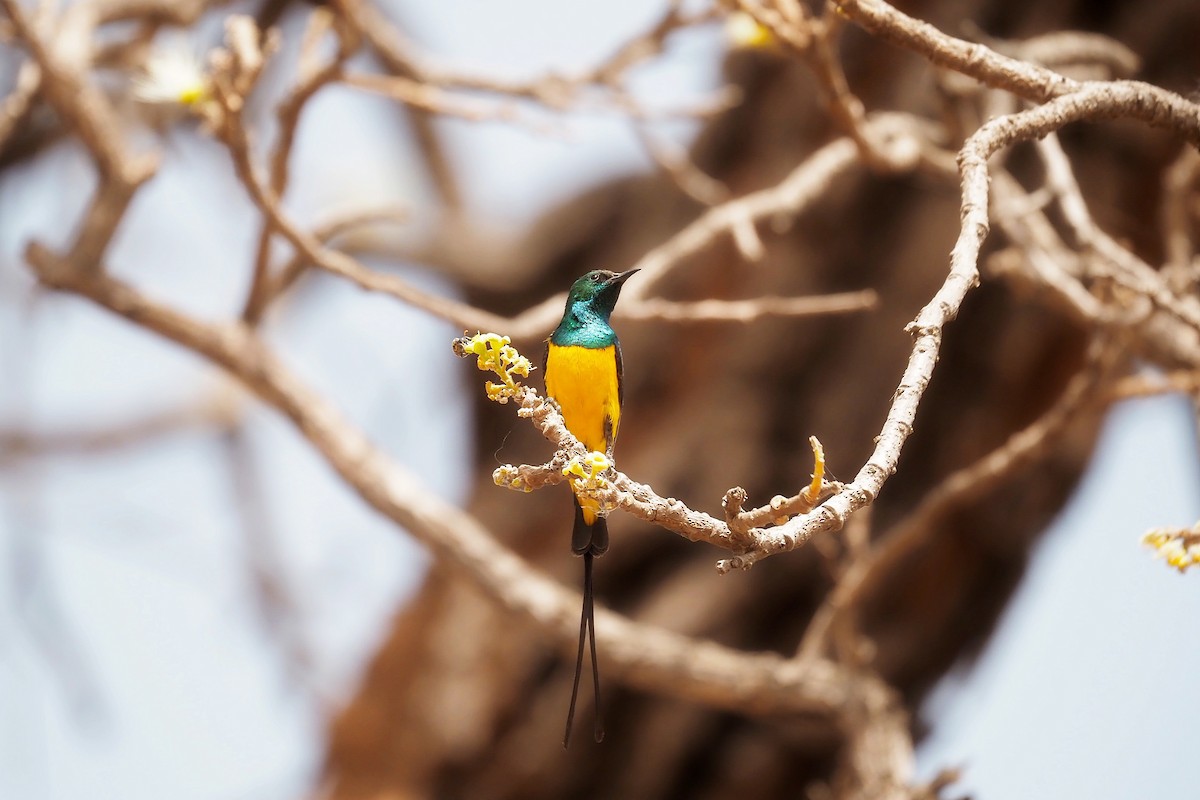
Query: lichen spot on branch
[495, 354]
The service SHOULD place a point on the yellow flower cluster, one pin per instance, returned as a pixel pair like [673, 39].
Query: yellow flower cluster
[588, 468]
[495, 354]
[1179, 548]
[586, 476]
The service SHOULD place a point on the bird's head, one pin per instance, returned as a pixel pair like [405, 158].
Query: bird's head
[599, 289]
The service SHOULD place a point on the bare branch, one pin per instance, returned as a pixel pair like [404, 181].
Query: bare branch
[1142, 101]
[673, 161]
[288, 113]
[66, 86]
[76, 98]
[325, 233]
[789, 198]
[1066, 49]
[17, 104]
[651, 658]
[554, 91]
[310, 246]
[786, 200]
[1048, 262]
[985, 65]
[1094, 101]
[18, 443]
[1149, 386]
[1182, 272]
[1126, 268]
[814, 41]
[876, 762]
[749, 310]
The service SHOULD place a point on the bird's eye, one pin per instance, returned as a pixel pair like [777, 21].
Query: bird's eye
[595, 277]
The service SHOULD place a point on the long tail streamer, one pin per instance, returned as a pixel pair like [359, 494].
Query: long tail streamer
[587, 631]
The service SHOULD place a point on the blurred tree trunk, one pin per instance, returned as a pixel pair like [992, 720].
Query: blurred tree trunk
[463, 701]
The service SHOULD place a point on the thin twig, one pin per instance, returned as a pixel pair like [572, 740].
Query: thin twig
[18, 443]
[1181, 272]
[1126, 269]
[17, 104]
[787, 199]
[288, 114]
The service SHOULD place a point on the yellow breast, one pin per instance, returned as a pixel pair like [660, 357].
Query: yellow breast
[584, 382]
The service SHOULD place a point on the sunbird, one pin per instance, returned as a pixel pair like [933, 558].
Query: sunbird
[583, 374]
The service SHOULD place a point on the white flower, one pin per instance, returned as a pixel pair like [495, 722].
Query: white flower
[172, 75]
[744, 32]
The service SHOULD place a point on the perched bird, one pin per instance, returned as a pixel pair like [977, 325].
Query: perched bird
[583, 375]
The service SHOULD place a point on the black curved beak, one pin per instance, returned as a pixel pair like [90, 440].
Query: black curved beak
[617, 280]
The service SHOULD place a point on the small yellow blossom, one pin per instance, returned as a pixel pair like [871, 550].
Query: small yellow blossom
[494, 354]
[586, 477]
[744, 32]
[587, 468]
